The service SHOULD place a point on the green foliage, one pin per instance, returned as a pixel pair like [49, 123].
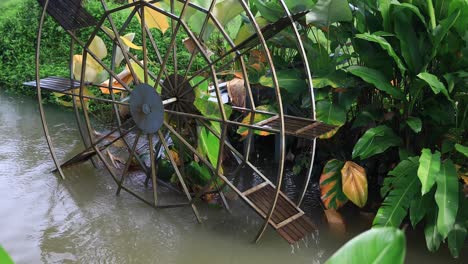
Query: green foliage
[376, 78]
[327, 12]
[446, 197]
[456, 239]
[375, 141]
[378, 245]
[17, 47]
[429, 166]
[401, 189]
[4, 257]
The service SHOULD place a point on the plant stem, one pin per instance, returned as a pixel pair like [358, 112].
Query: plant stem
[430, 10]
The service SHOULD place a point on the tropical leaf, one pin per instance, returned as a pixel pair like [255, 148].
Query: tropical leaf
[98, 48]
[243, 131]
[354, 183]
[125, 76]
[439, 33]
[92, 71]
[433, 238]
[200, 174]
[140, 73]
[446, 197]
[126, 40]
[208, 145]
[4, 257]
[436, 85]
[376, 78]
[429, 166]
[377, 245]
[414, 123]
[402, 188]
[290, 80]
[418, 207]
[405, 32]
[462, 21]
[335, 79]
[247, 30]
[386, 46]
[330, 113]
[456, 239]
[462, 149]
[119, 54]
[327, 12]
[270, 10]
[331, 185]
[376, 140]
[227, 10]
[153, 18]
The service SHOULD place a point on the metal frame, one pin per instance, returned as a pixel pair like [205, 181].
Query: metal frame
[237, 53]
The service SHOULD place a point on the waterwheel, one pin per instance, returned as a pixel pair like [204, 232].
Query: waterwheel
[183, 103]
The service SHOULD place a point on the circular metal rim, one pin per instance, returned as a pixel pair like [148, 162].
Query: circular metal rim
[275, 81]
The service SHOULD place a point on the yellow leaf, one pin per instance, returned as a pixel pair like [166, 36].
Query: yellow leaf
[93, 69]
[125, 76]
[127, 39]
[140, 73]
[175, 156]
[354, 183]
[329, 134]
[98, 48]
[465, 179]
[154, 19]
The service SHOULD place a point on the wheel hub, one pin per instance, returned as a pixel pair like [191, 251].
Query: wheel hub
[176, 86]
[146, 108]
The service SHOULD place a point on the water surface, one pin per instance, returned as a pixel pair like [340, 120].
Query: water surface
[44, 219]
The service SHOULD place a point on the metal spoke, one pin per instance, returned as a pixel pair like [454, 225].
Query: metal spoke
[153, 169]
[129, 161]
[172, 43]
[200, 36]
[178, 173]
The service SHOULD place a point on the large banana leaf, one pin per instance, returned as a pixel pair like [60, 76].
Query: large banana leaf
[377, 245]
[4, 257]
[433, 238]
[327, 12]
[403, 186]
[429, 166]
[375, 141]
[456, 239]
[386, 46]
[446, 197]
[376, 78]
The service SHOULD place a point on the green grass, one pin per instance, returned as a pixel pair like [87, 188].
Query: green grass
[9, 8]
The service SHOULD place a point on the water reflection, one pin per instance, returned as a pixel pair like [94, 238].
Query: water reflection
[80, 220]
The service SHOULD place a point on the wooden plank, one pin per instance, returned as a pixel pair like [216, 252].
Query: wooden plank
[266, 121]
[290, 219]
[295, 237]
[279, 210]
[255, 188]
[308, 127]
[286, 236]
[265, 200]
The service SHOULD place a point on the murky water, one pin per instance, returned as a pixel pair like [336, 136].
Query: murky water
[44, 219]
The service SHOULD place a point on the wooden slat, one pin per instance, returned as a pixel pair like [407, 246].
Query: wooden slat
[55, 84]
[255, 188]
[69, 14]
[290, 219]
